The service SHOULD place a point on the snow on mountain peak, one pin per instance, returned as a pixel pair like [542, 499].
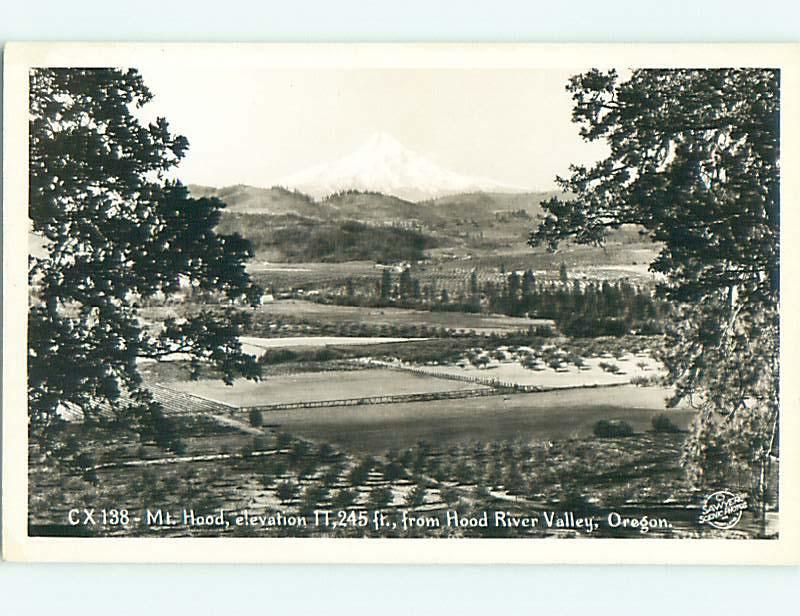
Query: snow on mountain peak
[382, 164]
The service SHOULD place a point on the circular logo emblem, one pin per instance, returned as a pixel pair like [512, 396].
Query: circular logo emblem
[723, 509]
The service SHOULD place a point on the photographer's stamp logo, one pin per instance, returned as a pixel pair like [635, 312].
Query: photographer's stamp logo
[723, 509]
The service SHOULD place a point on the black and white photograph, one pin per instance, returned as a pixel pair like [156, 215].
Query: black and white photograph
[459, 295]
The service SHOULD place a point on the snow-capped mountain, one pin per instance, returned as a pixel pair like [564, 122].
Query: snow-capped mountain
[382, 164]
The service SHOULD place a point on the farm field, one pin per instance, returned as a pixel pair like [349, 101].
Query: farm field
[311, 387]
[255, 345]
[524, 452]
[476, 476]
[310, 274]
[482, 324]
[611, 272]
[628, 258]
[526, 417]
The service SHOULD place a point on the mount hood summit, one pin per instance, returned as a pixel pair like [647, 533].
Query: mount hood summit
[382, 164]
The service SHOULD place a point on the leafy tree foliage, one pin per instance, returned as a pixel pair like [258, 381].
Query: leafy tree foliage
[116, 230]
[583, 309]
[694, 161]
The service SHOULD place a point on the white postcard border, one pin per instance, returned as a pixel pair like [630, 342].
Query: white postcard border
[20, 57]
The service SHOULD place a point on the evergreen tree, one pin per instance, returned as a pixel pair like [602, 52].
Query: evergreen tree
[475, 292]
[562, 273]
[528, 283]
[514, 286]
[406, 288]
[473, 283]
[386, 284]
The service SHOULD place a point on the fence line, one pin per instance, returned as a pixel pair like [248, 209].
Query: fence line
[489, 382]
[366, 400]
[505, 386]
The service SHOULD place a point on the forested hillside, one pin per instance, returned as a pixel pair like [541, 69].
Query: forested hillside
[298, 239]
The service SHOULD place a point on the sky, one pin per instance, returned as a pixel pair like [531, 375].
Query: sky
[255, 126]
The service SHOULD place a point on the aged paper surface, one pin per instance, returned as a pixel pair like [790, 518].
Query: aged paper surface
[338, 308]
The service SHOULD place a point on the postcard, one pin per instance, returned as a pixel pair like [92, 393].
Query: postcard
[401, 303]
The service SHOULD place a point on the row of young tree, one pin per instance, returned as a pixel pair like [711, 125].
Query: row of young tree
[579, 308]
[584, 309]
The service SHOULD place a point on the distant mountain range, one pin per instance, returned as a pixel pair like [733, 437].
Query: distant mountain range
[290, 225]
[382, 202]
[384, 165]
[371, 206]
